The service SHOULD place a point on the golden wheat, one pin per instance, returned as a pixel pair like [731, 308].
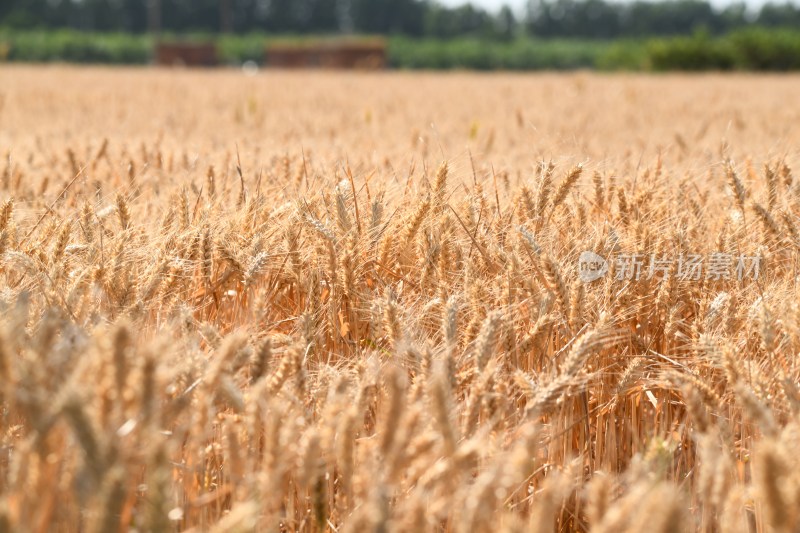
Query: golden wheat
[233, 304]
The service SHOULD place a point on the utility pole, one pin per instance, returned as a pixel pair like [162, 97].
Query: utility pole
[154, 18]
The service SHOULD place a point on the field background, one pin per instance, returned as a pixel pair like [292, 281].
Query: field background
[509, 120]
[320, 301]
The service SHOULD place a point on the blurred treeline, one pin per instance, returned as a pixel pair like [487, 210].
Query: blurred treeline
[743, 49]
[591, 19]
[549, 34]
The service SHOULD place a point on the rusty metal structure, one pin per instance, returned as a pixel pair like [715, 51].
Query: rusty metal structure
[368, 55]
[186, 54]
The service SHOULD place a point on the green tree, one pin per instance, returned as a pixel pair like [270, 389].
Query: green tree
[324, 16]
[388, 16]
[779, 15]
[506, 23]
[573, 18]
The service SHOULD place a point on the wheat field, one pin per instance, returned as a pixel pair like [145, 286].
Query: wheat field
[317, 301]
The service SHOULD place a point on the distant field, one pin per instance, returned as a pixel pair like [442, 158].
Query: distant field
[317, 301]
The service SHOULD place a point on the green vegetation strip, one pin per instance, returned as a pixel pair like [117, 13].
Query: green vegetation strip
[746, 49]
